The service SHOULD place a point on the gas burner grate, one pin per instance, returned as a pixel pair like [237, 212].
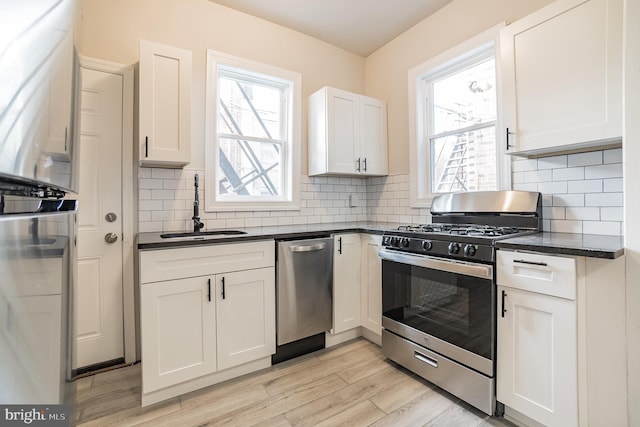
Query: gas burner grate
[427, 228]
[461, 229]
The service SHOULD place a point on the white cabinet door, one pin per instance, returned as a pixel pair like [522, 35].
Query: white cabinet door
[347, 134]
[371, 276]
[373, 136]
[246, 319]
[165, 105]
[342, 131]
[536, 357]
[562, 77]
[346, 282]
[178, 323]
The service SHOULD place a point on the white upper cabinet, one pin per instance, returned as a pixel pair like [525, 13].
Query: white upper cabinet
[165, 105]
[347, 134]
[562, 78]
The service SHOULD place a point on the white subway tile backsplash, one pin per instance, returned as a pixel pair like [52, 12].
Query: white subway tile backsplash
[612, 228]
[579, 192]
[585, 190]
[162, 215]
[537, 176]
[566, 226]
[612, 213]
[554, 213]
[524, 165]
[585, 186]
[553, 187]
[568, 174]
[552, 162]
[613, 156]
[610, 170]
[568, 200]
[150, 205]
[162, 194]
[603, 199]
[583, 213]
[163, 173]
[585, 159]
[526, 186]
[166, 197]
[144, 173]
[613, 185]
[151, 184]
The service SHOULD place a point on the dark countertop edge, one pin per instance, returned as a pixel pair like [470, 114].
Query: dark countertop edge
[544, 242]
[568, 244]
[323, 229]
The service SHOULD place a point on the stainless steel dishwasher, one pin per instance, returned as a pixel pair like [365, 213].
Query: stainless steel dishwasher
[304, 295]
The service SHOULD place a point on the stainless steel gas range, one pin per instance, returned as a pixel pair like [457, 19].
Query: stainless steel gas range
[438, 289]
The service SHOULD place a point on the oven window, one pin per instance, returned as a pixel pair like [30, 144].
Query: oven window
[449, 306]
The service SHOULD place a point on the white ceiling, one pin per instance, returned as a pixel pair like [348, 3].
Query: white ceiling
[359, 26]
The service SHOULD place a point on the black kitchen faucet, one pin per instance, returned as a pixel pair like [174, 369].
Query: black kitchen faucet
[197, 224]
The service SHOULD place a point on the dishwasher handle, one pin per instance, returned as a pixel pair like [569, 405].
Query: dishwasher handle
[308, 248]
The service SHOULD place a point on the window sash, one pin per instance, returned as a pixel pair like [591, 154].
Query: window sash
[472, 51]
[288, 166]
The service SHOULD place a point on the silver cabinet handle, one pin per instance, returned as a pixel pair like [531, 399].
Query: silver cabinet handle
[308, 248]
[426, 359]
[110, 237]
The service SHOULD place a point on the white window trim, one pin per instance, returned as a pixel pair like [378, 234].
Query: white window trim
[292, 179]
[419, 177]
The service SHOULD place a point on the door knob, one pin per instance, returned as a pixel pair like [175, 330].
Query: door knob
[110, 237]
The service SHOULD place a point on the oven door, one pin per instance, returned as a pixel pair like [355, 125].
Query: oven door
[444, 305]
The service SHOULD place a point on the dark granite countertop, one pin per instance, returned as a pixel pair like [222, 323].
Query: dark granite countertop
[589, 245]
[154, 241]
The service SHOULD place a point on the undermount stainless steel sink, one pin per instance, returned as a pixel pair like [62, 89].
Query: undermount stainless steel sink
[220, 233]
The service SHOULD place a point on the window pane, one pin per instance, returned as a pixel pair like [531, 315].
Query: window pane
[464, 162]
[465, 98]
[249, 168]
[250, 109]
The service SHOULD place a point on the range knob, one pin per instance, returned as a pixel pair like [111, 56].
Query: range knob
[404, 242]
[395, 241]
[426, 245]
[469, 250]
[454, 248]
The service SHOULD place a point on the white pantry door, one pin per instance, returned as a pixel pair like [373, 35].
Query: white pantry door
[99, 312]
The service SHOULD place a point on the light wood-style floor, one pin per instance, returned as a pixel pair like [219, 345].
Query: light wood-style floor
[348, 385]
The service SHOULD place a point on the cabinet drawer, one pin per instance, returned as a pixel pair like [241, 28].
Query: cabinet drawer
[549, 275]
[168, 264]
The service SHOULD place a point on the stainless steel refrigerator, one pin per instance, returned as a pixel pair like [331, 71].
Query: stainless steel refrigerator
[38, 125]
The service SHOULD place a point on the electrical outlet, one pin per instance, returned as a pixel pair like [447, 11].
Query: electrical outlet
[353, 200]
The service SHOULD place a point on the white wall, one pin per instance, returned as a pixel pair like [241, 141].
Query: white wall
[631, 149]
[387, 68]
[111, 30]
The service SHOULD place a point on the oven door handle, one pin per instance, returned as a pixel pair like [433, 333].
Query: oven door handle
[459, 267]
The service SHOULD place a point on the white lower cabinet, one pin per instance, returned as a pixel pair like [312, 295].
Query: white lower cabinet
[178, 332]
[197, 331]
[346, 282]
[371, 289]
[245, 302]
[561, 357]
[537, 356]
[357, 288]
